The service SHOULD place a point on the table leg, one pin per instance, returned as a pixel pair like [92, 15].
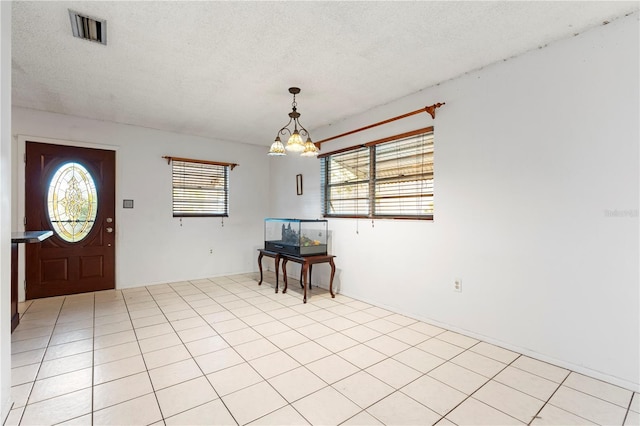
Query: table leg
[260, 267]
[284, 272]
[15, 315]
[305, 267]
[310, 269]
[277, 267]
[333, 272]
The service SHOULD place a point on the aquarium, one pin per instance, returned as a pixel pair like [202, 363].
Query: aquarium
[299, 237]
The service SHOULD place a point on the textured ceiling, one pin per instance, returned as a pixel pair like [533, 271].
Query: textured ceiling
[222, 69]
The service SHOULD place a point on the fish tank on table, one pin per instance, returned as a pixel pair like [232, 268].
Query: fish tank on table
[299, 237]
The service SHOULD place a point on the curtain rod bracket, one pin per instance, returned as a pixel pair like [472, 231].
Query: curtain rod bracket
[432, 109]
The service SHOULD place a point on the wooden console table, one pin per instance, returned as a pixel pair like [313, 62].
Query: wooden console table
[307, 263]
[18, 238]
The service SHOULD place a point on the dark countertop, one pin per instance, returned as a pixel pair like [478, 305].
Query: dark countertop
[30, 236]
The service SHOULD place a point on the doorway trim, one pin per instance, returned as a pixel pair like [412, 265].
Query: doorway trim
[18, 193]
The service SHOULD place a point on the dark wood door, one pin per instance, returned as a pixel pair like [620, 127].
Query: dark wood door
[70, 190]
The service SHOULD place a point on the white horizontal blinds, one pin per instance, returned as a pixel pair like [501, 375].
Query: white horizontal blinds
[403, 184]
[346, 183]
[200, 189]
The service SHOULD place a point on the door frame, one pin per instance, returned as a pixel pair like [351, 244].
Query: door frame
[18, 195]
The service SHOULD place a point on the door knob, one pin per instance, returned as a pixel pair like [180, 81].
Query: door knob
[109, 230]
[109, 220]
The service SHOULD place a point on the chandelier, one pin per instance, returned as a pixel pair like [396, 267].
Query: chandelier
[294, 143]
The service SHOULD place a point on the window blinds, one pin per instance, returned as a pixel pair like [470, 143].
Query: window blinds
[404, 177]
[200, 189]
[391, 179]
[346, 186]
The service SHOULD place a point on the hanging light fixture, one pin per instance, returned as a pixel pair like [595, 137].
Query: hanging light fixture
[310, 149]
[294, 143]
[277, 148]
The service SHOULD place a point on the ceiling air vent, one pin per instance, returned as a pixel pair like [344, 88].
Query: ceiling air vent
[88, 28]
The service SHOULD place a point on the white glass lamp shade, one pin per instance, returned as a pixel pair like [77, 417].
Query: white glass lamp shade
[295, 144]
[310, 150]
[277, 148]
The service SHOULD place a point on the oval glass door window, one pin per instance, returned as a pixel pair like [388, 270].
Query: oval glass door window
[72, 202]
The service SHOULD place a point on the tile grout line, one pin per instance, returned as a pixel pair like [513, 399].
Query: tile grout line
[191, 354]
[549, 399]
[392, 357]
[153, 390]
[443, 363]
[364, 410]
[196, 362]
[597, 397]
[483, 385]
[327, 385]
[93, 355]
[290, 404]
[359, 369]
[628, 408]
[426, 374]
[46, 348]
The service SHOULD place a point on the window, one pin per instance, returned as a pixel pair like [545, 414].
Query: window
[200, 188]
[346, 183]
[390, 178]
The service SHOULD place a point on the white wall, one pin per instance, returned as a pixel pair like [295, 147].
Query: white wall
[530, 156]
[5, 208]
[152, 246]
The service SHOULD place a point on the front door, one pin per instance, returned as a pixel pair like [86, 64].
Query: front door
[71, 191]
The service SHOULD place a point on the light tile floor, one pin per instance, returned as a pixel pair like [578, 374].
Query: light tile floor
[226, 351]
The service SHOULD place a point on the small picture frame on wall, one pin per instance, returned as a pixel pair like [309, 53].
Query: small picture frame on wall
[299, 184]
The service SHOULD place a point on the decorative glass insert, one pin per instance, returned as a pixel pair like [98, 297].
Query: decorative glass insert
[72, 202]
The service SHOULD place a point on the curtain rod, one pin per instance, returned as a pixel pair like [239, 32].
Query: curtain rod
[191, 160]
[431, 109]
[379, 141]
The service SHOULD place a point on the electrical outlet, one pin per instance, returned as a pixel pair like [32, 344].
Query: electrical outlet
[457, 285]
[210, 251]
